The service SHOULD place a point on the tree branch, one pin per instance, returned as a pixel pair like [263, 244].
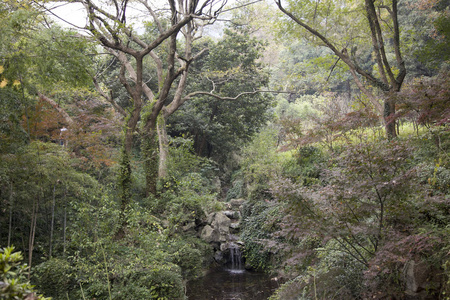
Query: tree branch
[70, 122]
[344, 57]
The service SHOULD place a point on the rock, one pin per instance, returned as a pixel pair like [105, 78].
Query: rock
[235, 225]
[210, 218]
[224, 247]
[218, 257]
[209, 234]
[218, 229]
[222, 224]
[420, 279]
[414, 277]
[217, 184]
[234, 215]
[236, 203]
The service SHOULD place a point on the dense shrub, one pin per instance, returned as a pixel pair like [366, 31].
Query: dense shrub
[55, 277]
[162, 282]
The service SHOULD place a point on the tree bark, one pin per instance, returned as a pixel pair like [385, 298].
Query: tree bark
[116, 40]
[163, 147]
[150, 155]
[10, 213]
[389, 113]
[65, 220]
[70, 122]
[52, 221]
[32, 233]
[124, 190]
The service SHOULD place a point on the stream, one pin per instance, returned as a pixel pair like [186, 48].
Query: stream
[231, 284]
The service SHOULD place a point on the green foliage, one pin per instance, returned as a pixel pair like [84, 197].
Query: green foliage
[260, 221]
[187, 193]
[33, 176]
[158, 282]
[39, 56]
[183, 160]
[13, 134]
[228, 69]
[236, 191]
[124, 180]
[14, 284]
[150, 261]
[55, 278]
[190, 254]
[298, 61]
[149, 153]
[292, 289]
[261, 162]
[434, 42]
[305, 166]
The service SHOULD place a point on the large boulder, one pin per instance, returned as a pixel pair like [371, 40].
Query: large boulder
[222, 223]
[421, 281]
[218, 228]
[209, 235]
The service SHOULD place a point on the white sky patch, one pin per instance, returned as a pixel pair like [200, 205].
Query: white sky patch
[68, 15]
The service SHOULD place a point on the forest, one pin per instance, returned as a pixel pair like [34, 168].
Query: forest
[146, 142]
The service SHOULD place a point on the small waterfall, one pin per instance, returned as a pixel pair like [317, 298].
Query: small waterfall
[235, 258]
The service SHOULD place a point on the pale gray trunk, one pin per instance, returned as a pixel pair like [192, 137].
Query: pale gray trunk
[65, 221]
[10, 213]
[52, 221]
[32, 233]
[163, 147]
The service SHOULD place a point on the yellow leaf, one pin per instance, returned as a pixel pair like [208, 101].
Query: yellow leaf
[1, 69]
[16, 82]
[3, 83]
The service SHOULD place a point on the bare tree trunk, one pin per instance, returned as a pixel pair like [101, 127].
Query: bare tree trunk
[65, 220]
[32, 232]
[163, 147]
[10, 213]
[52, 221]
[389, 116]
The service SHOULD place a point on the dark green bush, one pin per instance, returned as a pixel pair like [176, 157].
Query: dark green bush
[55, 278]
[162, 282]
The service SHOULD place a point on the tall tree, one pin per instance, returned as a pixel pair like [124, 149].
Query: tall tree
[110, 26]
[336, 25]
